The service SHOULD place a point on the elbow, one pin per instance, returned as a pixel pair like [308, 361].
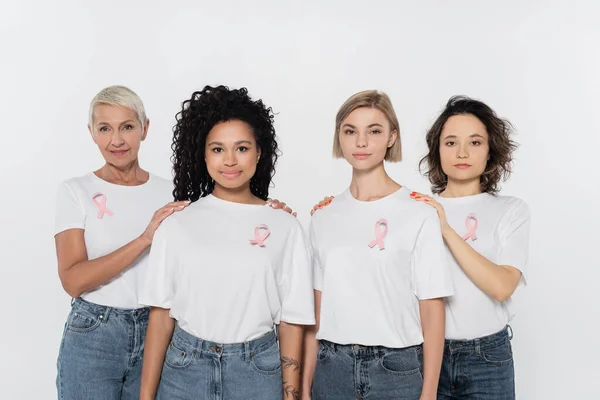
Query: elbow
[71, 288]
[501, 294]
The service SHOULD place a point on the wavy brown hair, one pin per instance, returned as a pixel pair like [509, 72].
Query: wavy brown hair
[499, 130]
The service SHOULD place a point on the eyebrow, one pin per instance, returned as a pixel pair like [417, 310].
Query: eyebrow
[130, 121]
[368, 126]
[471, 136]
[236, 143]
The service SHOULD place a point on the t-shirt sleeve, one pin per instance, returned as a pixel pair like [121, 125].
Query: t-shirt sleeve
[70, 213]
[431, 272]
[159, 287]
[514, 238]
[315, 261]
[298, 296]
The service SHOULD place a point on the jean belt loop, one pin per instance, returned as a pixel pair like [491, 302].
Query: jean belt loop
[477, 346]
[510, 332]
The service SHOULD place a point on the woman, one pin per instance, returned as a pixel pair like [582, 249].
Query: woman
[105, 222]
[227, 270]
[470, 151]
[380, 272]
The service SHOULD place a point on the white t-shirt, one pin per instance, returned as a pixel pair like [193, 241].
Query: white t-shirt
[111, 216]
[372, 276]
[223, 278]
[500, 225]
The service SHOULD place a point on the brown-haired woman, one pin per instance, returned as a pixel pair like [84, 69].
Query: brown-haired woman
[470, 152]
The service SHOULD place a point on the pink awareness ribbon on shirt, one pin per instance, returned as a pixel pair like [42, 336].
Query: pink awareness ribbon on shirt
[101, 205]
[471, 223]
[379, 234]
[259, 238]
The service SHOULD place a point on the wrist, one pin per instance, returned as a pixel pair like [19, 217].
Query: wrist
[143, 241]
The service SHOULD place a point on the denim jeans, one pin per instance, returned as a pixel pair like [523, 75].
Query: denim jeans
[479, 369]
[200, 369]
[367, 372]
[100, 355]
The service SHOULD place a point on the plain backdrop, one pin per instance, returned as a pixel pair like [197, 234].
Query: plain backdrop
[535, 62]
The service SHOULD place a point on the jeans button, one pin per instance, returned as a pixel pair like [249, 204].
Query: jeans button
[356, 347]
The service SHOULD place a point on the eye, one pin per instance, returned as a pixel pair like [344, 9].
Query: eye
[242, 149]
[217, 150]
[476, 143]
[128, 127]
[375, 132]
[348, 131]
[450, 143]
[103, 129]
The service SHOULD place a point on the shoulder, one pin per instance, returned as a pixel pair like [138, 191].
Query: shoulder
[512, 206]
[77, 184]
[337, 203]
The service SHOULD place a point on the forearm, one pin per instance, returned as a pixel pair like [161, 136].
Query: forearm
[158, 336]
[290, 346]
[433, 323]
[495, 280]
[311, 347]
[87, 275]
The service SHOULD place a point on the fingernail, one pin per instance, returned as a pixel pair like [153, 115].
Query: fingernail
[319, 206]
[426, 201]
[417, 197]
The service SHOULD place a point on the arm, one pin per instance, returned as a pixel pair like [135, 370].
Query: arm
[158, 336]
[311, 346]
[498, 281]
[290, 345]
[79, 275]
[433, 323]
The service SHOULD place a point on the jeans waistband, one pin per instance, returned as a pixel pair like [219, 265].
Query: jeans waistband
[106, 312]
[360, 350]
[184, 339]
[474, 345]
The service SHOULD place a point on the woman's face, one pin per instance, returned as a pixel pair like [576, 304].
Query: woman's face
[118, 133]
[365, 136]
[464, 148]
[231, 154]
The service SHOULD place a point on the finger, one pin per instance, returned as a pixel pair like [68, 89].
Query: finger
[287, 209]
[295, 214]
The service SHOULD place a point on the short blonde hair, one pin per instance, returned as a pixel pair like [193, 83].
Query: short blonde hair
[371, 99]
[119, 96]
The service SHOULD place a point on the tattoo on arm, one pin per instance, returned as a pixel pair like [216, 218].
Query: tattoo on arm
[290, 362]
[290, 392]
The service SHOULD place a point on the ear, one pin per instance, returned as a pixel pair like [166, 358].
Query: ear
[393, 138]
[145, 132]
[258, 157]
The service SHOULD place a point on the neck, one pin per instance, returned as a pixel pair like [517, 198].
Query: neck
[462, 188]
[130, 175]
[241, 194]
[373, 184]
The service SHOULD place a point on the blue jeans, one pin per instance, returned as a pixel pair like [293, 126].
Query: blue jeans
[101, 352]
[367, 372]
[199, 369]
[479, 369]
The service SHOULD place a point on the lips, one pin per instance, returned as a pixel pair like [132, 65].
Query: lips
[361, 156]
[231, 174]
[119, 153]
[462, 166]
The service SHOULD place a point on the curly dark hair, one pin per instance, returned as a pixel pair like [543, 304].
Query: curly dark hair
[198, 115]
[499, 166]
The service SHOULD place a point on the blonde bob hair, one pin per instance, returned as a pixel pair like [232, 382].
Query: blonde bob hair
[371, 99]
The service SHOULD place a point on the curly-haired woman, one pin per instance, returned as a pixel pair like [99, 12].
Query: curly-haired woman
[228, 269]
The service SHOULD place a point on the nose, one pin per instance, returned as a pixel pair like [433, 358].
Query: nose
[462, 151]
[230, 159]
[361, 140]
[117, 139]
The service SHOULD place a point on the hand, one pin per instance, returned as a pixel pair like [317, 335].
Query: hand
[323, 203]
[440, 210]
[276, 204]
[159, 217]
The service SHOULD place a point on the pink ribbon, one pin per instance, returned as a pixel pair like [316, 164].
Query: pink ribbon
[259, 238]
[101, 205]
[471, 223]
[379, 234]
